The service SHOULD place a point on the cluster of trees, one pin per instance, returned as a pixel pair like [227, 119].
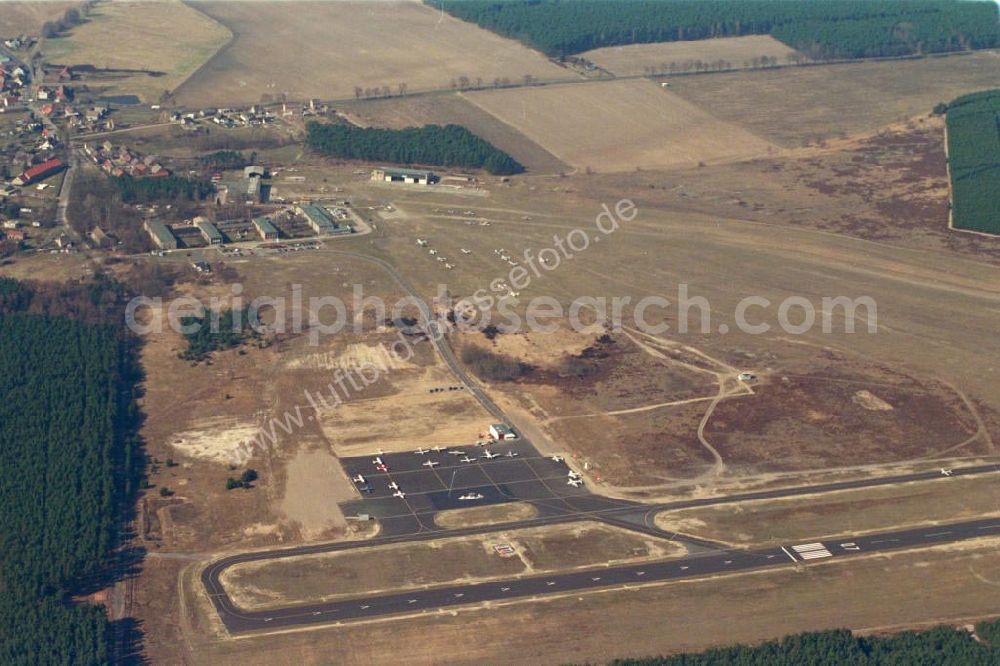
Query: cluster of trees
[245, 481]
[492, 366]
[214, 331]
[69, 465]
[448, 145]
[227, 159]
[974, 160]
[941, 645]
[821, 29]
[96, 202]
[166, 188]
[73, 16]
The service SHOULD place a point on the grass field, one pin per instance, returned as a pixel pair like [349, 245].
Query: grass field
[442, 109]
[636, 59]
[850, 512]
[27, 17]
[167, 40]
[325, 49]
[794, 104]
[619, 125]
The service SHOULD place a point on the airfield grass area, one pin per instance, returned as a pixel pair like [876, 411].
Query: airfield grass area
[485, 515]
[796, 104]
[608, 126]
[974, 161]
[950, 584]
[325, 49]
[157, 45]
[329, 576]
[19, 18]
[668, 57]
[801, 519]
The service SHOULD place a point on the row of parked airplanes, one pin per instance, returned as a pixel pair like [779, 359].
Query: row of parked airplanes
[574, 479]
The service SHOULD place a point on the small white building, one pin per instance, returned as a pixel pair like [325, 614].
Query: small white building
[501, 432]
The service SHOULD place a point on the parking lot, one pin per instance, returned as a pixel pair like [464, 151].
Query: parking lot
[461, 477]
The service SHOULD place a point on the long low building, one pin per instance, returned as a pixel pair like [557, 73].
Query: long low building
[413, 176]
[265, 229]
[321, 221]
[39, 172]
[209, 231]
[162, 237]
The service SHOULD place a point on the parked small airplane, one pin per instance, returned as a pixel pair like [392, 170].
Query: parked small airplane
[946, 472]
[471, 496]
[437, 449]
[431, 463]
[456, 452]
[489, 455]
[382, 468]
[377, 460]
[399, 493]
[557, 458]
[576, 483]
[512, 454]
[467, 459]
[394, 485]
[573, 475]
[421, 452]
[359, 479]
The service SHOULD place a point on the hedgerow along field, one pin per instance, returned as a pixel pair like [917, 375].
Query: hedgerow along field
[821, 29]
[973, 123]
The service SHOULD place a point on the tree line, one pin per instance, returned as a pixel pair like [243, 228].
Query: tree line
[433, 145]
[72, 17]
[70, 462]
[974, 160]
[821, 29]
[941, 645]
[165, 188]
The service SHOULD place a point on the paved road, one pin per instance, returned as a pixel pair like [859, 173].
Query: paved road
[424, 600]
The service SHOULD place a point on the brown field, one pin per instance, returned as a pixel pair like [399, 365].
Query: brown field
[444, 109]
[842, 513]
[328, 576]
[27, 17]
[636, 59]
[485, 515]
[325, 49]
[796, 104]
[609, 126]
[166, 39]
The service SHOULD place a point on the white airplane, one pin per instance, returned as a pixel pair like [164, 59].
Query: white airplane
[471, 496]
[421, 242]
[946, 472]
[432, 251]
[431, 463]
[573, 475]
[465, 251]
[394, 485]
[456, 452]
[489, 455]
[437, 449]
[512, 454]
[399, 493]
[576, 483]
[359, 479]
[421, 452]
[467, 459]
[557, 458]
[378, 461]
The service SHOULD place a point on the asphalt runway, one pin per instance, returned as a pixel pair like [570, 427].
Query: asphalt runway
[427, 600]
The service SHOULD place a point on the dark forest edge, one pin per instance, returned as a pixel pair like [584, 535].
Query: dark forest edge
[430, 145]
[973, 123]
[71, 464]
[819, 29]
[940, 645]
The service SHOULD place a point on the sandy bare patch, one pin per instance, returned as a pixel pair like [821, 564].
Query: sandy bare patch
[356, 355]
[222, 440]
[868, 400]
[620, 125]
[315, 484]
